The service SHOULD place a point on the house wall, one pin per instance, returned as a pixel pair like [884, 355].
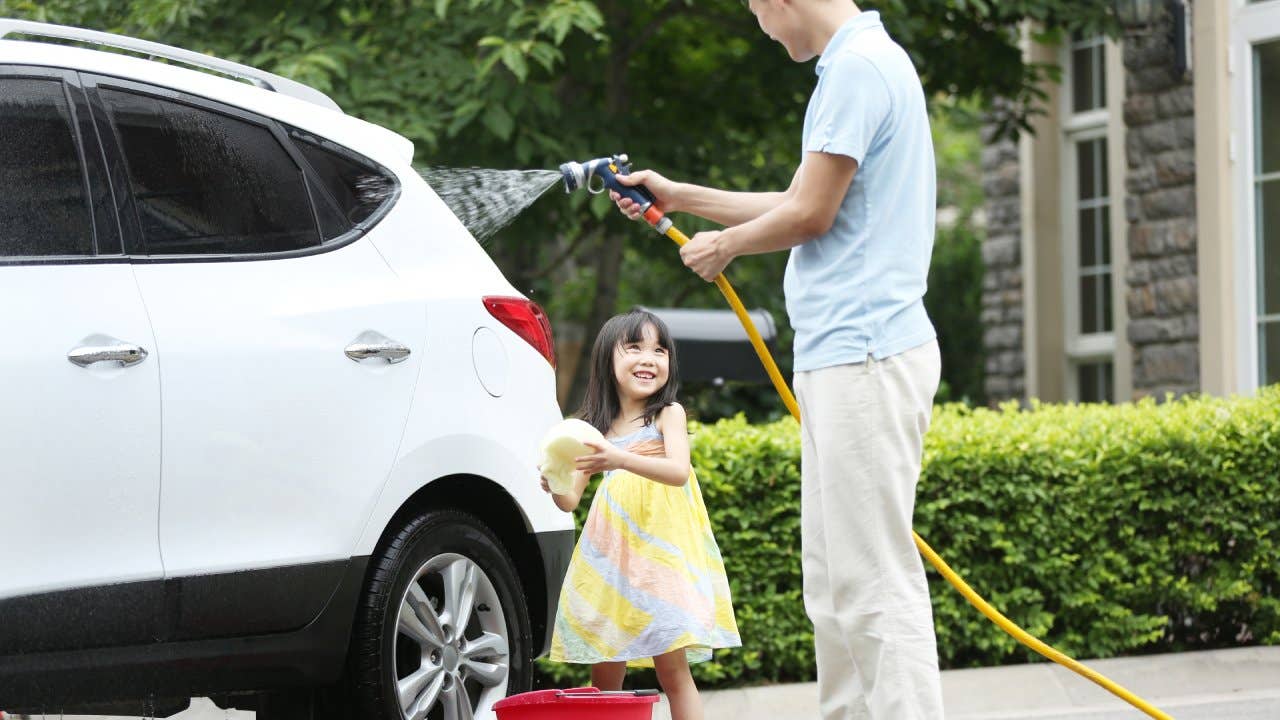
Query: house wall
[1002, 290]
[1156, 239]
[1162, 297]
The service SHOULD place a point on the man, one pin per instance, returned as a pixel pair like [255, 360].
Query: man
[859, 221]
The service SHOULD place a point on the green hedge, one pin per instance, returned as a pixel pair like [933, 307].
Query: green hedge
[1103, 530]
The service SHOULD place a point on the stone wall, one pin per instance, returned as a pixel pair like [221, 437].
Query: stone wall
[1162, 294]
[1002, 307]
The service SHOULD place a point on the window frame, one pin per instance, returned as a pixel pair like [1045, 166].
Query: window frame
[1081, 348]
[314, 178]
[130, 227]
[1100, 71]
[106, 233]
[1254, 24]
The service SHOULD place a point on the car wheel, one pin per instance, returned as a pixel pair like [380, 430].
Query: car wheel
[443, 629]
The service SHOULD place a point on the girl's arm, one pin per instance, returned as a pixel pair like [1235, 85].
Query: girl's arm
[569, 502]
[670, 470]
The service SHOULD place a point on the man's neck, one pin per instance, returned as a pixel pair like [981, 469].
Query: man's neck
[826, 19]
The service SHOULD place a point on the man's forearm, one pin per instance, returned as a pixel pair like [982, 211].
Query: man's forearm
[782, 228]
[726, 207]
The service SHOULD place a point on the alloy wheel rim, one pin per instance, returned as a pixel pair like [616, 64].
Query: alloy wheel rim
[451, 649]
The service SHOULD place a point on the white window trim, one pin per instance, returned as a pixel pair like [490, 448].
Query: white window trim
[1253, 24]
[1085, 121]
[1078, 127]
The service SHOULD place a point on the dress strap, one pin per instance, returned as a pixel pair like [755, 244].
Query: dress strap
[648, 432]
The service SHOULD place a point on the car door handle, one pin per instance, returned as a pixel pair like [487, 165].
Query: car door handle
[100, 348]
[375, 345]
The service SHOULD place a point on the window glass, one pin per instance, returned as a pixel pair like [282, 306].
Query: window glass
[208, 183]
[1266, 107]
[1269, 353]
[44, 207]
[1093, 220]
[1268, 199]
[1096, 382]
[1266, 91]
[352, 187]
[1088, 74]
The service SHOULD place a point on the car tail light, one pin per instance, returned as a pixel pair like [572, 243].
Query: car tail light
[526, 319]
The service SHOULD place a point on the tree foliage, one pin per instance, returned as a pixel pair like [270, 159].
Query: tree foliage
[692, 88]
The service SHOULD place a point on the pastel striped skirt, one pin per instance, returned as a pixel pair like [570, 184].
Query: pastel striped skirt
[646, 578]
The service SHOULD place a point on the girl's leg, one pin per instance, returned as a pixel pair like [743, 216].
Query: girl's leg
[608, 675]
[677, 683]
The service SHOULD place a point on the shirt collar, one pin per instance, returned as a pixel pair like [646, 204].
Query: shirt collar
[862, 21]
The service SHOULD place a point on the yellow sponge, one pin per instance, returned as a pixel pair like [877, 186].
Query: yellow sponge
[562, 443]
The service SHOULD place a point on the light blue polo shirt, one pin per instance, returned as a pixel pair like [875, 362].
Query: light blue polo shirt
[858, 290]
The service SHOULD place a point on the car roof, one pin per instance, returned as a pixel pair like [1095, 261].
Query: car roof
[376, 142]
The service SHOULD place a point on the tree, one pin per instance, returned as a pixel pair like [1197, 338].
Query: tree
[691, 88]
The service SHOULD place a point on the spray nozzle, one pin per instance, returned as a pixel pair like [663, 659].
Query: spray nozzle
[606, 170]
[583, 174]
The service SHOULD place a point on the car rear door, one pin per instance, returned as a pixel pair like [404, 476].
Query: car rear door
[289, 351]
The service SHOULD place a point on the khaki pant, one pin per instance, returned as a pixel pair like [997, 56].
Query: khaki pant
[862, 433]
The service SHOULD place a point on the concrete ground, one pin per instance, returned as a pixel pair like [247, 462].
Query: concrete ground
[1237, 684]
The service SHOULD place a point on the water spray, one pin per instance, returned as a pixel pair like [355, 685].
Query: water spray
[606, 170]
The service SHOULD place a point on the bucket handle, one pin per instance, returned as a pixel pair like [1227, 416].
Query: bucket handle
[587, 693]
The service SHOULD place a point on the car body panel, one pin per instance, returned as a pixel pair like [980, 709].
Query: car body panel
[79, 446]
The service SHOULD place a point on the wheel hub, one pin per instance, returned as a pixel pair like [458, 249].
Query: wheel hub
[449, 658]
[450, 597]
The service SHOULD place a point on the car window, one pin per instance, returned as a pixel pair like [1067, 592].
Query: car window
[207, 183]
[350, 186]
[44, 207]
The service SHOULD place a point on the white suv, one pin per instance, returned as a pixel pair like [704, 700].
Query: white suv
[268, 413]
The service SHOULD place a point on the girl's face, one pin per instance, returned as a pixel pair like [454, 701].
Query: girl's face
[640, 368]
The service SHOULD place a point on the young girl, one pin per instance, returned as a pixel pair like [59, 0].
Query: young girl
[646, 585]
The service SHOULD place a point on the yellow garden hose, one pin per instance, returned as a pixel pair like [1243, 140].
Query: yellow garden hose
[934, 559]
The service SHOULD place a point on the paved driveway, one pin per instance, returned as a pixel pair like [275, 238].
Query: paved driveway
[1237, 684]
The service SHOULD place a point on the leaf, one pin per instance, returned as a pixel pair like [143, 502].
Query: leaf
[463, 116]
[515, 62]
[498, 121]
[546, 55]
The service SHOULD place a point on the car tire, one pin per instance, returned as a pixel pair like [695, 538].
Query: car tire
[409, 659]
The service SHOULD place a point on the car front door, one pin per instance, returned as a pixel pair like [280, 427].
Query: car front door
[80, 563]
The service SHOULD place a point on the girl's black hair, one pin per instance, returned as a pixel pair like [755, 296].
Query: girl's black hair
[601, 405]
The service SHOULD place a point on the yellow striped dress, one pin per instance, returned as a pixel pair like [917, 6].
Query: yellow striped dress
[646, 577]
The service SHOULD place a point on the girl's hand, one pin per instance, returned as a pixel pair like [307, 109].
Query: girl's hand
[606, 457]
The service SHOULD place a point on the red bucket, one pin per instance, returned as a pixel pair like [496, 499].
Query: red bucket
[578, 704]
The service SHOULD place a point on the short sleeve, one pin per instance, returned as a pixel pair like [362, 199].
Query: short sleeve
[851, 104]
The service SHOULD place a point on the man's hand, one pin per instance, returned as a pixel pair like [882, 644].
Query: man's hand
[706, 255]
[664, 192]
[606, 457]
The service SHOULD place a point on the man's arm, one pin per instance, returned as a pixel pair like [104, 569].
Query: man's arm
[805, 212]
[719, 206]
[731, 208]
